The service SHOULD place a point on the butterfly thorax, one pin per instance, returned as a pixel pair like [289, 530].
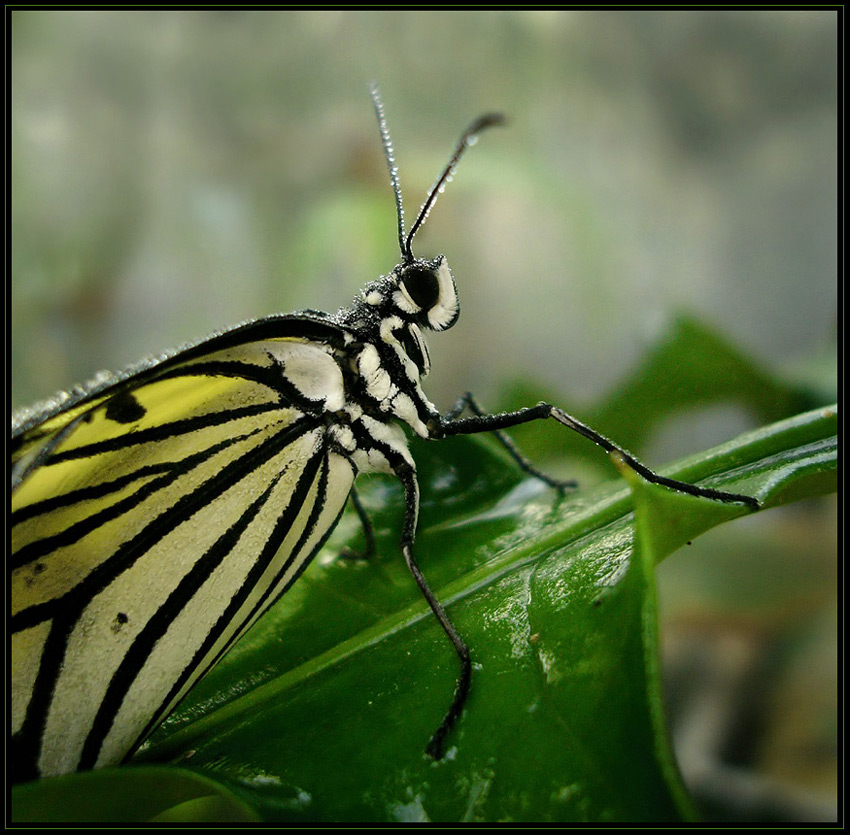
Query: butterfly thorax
[388, 318]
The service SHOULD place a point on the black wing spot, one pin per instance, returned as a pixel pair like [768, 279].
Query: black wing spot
[120, 620]
[35, 569]
[124, 408]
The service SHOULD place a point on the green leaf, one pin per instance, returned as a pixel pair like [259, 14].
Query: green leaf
[322, 712]
[124, 795]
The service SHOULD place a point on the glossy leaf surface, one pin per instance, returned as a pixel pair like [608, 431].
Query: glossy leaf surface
[324, 710]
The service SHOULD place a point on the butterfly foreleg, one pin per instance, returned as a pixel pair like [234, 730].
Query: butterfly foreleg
[467, 401]
[452, 424]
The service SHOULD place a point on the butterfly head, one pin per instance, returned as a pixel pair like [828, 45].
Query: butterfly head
[420, 291]
[417, 292]
[424, 292]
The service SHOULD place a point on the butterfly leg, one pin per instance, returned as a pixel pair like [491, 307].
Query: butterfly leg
[407, 476]
[368, 550]
[467, 401]
[451, 424]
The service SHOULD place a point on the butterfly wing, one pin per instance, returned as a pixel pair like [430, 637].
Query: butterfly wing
[154, 520]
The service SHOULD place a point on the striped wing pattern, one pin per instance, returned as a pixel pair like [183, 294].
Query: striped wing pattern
[179, 509]
[158, 513]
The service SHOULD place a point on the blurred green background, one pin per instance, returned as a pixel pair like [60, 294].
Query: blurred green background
[177, 172]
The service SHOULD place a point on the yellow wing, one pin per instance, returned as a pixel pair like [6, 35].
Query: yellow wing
[159, 521]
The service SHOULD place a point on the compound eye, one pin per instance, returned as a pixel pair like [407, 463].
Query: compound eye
[421, 285]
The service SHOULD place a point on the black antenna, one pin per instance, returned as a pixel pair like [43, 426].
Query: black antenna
[469, 137]
[390, 155]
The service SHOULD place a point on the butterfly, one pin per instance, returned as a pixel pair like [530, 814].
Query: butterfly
[158, 513]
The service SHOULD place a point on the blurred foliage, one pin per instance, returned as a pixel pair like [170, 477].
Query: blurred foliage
[176, 172]
[691, 367]
[131, 795]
